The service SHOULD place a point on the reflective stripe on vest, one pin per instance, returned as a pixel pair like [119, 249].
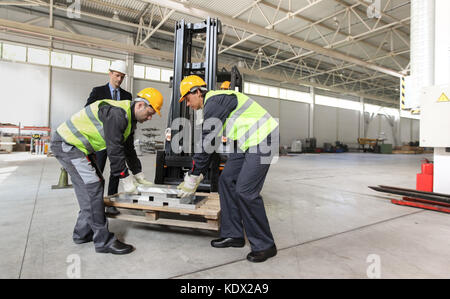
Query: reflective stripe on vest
[248, 124]
[84, 129]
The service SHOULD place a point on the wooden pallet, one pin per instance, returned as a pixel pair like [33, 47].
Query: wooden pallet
[206, 216]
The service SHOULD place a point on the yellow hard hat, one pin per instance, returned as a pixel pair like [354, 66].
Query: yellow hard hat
[188, 83]
[225, 85]
[153, 98]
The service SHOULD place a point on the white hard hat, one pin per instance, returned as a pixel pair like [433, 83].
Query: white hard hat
[118, 66]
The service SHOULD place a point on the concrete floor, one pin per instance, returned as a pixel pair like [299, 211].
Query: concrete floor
[326, 224]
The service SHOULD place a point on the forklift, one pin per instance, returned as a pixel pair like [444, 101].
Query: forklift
[176, 158]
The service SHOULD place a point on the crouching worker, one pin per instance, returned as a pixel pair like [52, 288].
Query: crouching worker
[110, 125]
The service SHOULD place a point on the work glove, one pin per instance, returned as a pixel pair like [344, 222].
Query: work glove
[140, 179]
[190, 185]
[128, 185]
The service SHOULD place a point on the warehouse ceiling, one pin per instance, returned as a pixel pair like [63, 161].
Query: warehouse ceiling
[348, 46]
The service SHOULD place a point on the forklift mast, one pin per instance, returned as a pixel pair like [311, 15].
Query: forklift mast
[234, 77]
[170, 164]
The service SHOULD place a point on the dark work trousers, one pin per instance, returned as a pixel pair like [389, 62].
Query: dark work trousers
[242, 207]
[113, 184]
[88, 184]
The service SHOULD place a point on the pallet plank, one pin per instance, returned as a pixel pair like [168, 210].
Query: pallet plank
[208, 213]
[170, 222]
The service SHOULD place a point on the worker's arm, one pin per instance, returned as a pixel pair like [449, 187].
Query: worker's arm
[219, 107]
[114, 125]
[133, 161]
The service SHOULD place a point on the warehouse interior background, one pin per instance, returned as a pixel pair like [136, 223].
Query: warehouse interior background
[350, 101]
[332, 70]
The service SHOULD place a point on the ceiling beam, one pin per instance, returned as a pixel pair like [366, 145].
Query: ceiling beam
[322, 25]
[202, 13]
[81, 39]
[168, 56]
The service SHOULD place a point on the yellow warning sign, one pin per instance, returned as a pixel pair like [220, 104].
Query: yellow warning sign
[443, 98]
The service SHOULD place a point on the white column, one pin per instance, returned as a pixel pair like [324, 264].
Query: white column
[399, 128]
[312, 93]
[442, 77]
[362, 122]
[50, 68]
[130, 68]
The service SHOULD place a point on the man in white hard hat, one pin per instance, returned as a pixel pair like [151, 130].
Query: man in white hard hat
[110, 91]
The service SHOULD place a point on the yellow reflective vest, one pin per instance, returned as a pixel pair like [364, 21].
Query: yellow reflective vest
[249, 123]
[84, 129]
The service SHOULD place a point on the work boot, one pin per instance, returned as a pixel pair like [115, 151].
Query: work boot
[261, 256]
[112, 211]
[116, 247]
[228, 242]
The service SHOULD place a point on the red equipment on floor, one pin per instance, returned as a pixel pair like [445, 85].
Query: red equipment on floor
[418, 199]
[424, 180]
[423, 204]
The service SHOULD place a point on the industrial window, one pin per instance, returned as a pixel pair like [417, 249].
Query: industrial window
[352, 105]
[166, 74]
[38, 56]
[276, 93]
[380, 110]
[326, 101]
[407, 114]
[14, 52]
[61, 59]
[372, 108]
[152, 73]
[139, 71]
[273, 92]
[263, 90]
[77, 62]
[253, 88]
[340, 103]
[100, 65]
[81, 62]
[390, 111]
[246, 87]
[283, 94]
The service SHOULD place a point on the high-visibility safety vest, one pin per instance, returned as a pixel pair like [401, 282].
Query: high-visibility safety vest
[248, 124]
[84, 129]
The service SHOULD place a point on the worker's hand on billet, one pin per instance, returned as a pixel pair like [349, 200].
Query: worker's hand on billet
[128, 185]
[189, 185]
[140, 179]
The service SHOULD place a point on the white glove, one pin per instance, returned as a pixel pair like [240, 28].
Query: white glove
[140, 179]
[128, 184]
[190, 185]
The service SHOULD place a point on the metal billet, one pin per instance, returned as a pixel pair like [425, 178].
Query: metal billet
[161, 196]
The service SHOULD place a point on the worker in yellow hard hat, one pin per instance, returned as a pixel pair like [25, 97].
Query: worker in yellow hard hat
[250, 129]
[153, 98]
[225, 85]
[113, 91]
[110, 125]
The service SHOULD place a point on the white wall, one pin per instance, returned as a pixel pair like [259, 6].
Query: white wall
[348, 126]
[406, 130]
[294, 121]
[415, 130]
[70, 91]
[28, 85]
[378, 125]
[293, 117]
[325, 124]
[24, 90]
